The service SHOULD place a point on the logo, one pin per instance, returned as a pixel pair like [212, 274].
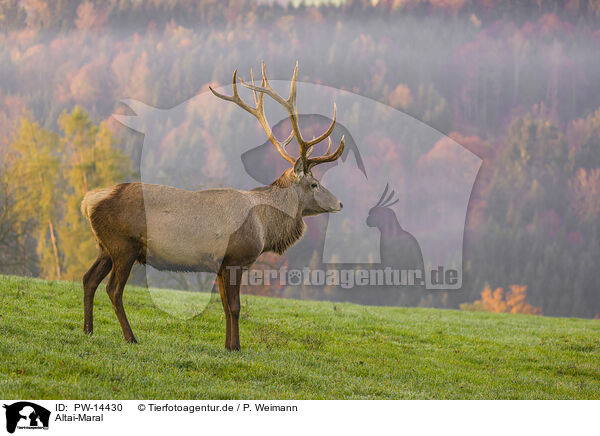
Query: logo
[404, 185]
[26, 415]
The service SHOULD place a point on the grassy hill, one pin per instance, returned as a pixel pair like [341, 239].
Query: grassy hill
[290, 349]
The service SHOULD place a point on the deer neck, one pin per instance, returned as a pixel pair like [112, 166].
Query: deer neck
[280, 214]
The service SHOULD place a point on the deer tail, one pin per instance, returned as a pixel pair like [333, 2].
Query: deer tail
[91, 200]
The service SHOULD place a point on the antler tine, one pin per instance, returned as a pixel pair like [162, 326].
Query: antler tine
[267, 89]
[258, 112]
[292, 97]
[290, 105]
[235, 98]
[306, 147]
[327, 132]
[311, 162]
[312, 149]
[254, 93]
[329, 146]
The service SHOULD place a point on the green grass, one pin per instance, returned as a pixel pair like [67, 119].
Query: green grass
[290, 349]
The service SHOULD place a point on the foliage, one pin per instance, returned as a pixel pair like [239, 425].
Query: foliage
[536, 205]
[17, 248]
[585, 187]
[35, 183]
[12, 15]
[90, 160]
[515, 301]
[47, 176]
[515, 81]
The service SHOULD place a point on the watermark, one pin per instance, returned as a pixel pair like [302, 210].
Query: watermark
[405, 189]
[345, 278]
[25, 415]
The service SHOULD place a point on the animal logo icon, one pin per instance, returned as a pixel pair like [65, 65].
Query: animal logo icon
[398, 248]
[203, 143]
[26, 415]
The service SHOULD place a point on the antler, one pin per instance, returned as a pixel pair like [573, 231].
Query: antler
[259, 113]
[290, 106]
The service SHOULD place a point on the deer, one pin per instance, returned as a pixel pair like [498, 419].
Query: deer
[222, 231]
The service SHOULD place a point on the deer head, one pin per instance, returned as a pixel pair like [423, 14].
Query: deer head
[313, 197]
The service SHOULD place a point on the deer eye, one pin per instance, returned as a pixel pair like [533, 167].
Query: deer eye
[314, 186]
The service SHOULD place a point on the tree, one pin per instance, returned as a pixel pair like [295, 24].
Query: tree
[585, 198]
[515, 301]
[90, 161]
[532, 173]
[12, 15]
[35, 183]
[17, 247]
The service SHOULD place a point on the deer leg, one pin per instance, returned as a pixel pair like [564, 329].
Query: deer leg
[234, 307]
[116, 284]
[91, 280]
[223, 294]
[232, 282]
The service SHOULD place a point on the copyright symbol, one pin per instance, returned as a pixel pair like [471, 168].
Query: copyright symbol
[141, 407]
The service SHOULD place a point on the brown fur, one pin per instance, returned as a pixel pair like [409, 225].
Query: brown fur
[290, 230]
[286, 180]
[209, 230]
[194, 231]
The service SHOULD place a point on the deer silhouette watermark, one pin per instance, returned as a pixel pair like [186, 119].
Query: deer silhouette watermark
[419, 228]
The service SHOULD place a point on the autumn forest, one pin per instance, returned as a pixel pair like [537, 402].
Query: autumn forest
[516, 83]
